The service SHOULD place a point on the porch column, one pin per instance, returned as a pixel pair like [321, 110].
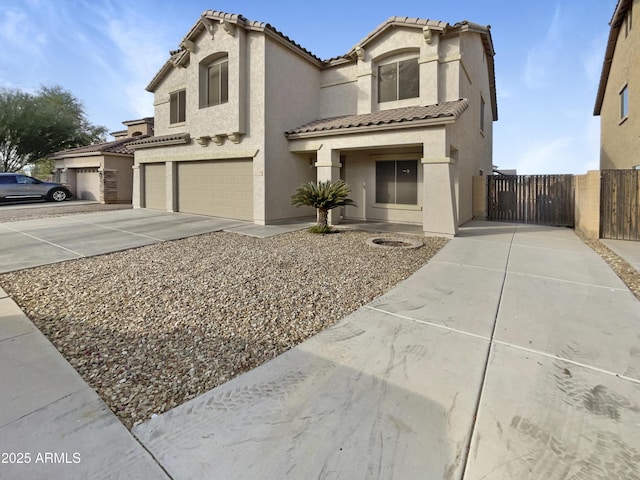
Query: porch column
[328, 168]
[138, 189]
[439, 204]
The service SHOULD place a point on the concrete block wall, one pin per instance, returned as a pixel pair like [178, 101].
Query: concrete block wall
[479, 192]
[587, 204]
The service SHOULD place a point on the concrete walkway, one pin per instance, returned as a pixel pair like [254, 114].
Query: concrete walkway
[514, 354]
[626, 249]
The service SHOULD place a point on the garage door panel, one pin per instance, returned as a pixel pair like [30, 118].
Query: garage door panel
[87, 184]
[221, 188]
[155, 188]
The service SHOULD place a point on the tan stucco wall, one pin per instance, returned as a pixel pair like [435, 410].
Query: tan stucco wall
[470, 147]
[124, 176]
[620, 141]
[293, 98]
[587, 204]
[122, 165]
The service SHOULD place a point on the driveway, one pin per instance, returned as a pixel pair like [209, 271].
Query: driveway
[49, 240]
[513, 354]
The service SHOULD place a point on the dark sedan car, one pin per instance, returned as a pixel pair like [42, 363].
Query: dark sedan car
[15, 186]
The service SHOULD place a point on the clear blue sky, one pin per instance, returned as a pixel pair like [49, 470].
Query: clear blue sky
[549, 56]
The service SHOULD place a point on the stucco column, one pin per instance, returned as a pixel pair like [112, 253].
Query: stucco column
[328, 168]
[439, 206]
[138, 192]
[171, 186]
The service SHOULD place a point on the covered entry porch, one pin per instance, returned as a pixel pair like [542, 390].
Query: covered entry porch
[396, 177]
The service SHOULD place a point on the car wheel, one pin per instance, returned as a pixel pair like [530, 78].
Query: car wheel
[58, 195]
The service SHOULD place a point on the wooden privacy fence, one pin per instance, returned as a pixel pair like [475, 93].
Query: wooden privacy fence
[539, 199]
[620, 204]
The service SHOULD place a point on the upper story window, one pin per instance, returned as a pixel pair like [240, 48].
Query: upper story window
[482, 108]
[399, 80]
[624, 102]
[214, 81]
[177, 106]
[218, 82]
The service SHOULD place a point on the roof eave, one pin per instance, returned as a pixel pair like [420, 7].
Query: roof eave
[182, 139]
[616, 22]
[429, 122]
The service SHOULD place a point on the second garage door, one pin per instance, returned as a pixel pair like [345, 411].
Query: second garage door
[155, 186]
[221, 188]
[88, 184]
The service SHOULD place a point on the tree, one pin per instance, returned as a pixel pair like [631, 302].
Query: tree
[324, 196]
[34, 126]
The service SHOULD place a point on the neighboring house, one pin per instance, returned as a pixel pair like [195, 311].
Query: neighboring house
[103, 172]
[618, 98]
[244, 115]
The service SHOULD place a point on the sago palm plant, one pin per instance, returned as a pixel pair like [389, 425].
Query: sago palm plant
[324, 196]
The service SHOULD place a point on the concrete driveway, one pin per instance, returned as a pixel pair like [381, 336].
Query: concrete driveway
[513, 354]
[37, 242]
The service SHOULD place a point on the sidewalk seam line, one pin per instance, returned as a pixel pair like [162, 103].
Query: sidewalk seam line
[85, 387]
[569, 281]
[47, 242]
[474, 424]
[567, 360]
[122, 231]
[425, 322]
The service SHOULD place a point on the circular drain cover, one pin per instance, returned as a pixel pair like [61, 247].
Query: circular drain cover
[394, 242]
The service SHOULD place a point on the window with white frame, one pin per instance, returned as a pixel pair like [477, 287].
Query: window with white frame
[177, 106]
[397, 182]
[399, 80]
[214, 81]
[624, 102]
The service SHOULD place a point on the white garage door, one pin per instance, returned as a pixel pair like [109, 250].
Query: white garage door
[88, 184]
[221, 188]
[155, 192]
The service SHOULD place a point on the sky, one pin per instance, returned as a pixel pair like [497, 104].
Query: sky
[549, 56]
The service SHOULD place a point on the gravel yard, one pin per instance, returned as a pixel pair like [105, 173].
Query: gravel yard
[152, 327]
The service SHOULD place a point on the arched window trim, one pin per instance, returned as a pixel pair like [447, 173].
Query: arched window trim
[214, 80]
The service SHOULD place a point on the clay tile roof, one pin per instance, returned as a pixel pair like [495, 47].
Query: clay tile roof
[450, 110]
[173, 139]
[120, 147]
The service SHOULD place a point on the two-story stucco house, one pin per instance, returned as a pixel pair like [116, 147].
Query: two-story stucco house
[244, 115]
[618, 98]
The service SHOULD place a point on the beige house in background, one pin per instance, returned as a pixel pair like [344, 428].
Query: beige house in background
[618, 98]
[244, 115]
[103, 172]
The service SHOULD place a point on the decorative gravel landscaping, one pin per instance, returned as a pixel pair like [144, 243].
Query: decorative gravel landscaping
[152, 327]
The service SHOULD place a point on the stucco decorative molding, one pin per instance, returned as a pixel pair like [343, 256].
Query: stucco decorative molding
[204, 140]
[210, 25]
[426, 31]
[360, 53]
[218, 139]
[235, 137]
[188, 45]
[230, 28]
[437, 160]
